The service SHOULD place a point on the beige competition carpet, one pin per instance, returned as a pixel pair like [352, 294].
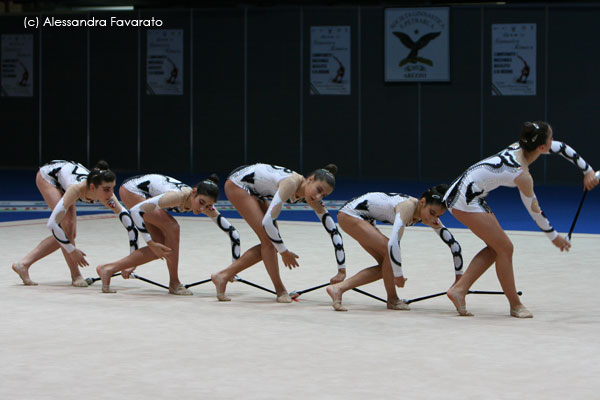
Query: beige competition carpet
[62, 342]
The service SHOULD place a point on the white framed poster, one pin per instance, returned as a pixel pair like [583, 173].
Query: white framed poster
[417, 44]
[16, 65]
[164, 62]
[514, 59]
[330, 60]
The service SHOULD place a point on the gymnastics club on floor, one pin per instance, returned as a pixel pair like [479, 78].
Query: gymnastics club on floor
[141, 278]
[90, 281]
[197, 283]
[296, 293]
[369, 294]
[237, 278]
[579, 209]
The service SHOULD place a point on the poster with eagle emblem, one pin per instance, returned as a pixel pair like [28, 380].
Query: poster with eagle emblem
[417, 45]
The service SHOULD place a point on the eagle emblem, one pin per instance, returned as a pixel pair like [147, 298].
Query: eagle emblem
[414, 47]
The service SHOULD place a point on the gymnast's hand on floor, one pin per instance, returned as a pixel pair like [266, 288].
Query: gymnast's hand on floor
[289, 259]
[160, 250]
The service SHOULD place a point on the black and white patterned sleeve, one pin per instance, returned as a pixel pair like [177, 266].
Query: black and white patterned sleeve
[234, 235]
[336, 237]
[454, 246]
[570, 154]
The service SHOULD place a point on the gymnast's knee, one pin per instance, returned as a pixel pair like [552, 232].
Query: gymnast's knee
[267, 245]
[505, 248]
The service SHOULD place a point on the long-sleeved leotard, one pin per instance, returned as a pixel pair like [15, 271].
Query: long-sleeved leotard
[468, 192]
[154, 187]
[69, 174]
[379, 206]
[263, 181]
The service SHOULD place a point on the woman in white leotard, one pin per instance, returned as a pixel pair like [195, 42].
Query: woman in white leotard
[250, 188]
[466, 201]
[61, 184]
[357, 218]
[149, 196]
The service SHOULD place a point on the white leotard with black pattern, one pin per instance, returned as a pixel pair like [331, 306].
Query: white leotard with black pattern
[62, 174]
[468, 191]
[261, 180]
[152, 185]
[374, 206]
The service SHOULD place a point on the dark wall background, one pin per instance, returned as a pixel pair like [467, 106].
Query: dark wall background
[246, 95]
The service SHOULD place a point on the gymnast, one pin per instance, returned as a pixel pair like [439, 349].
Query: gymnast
[250, 188]
[357, 218]
[61, 184]
[149, 196]
[466, 201]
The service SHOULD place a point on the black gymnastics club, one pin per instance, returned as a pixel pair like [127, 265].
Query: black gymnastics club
[238, 279]
[296, 293]
[141, 278]
[577, 214]
[579, 209]
[90, 281]
[197, 283]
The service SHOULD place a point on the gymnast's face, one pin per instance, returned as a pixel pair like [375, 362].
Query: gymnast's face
[431, 213]
[202, 203]
[103, 192]
[316, 190]
[545, 148]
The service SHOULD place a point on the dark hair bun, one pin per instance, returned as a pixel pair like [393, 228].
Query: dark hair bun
[100, 173]
[534, 134]
[209, 186]
[214, 178]
[441, 189]
[528, 128]
[101, 165]
[435, 195]
[331, 168]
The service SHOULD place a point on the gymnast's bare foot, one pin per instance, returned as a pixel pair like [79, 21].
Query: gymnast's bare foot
[220, 284]
[23, 273]
[458, 299]
[284, 297]
[79, 282]
[105, 275]
[336, 295]
[397, 304]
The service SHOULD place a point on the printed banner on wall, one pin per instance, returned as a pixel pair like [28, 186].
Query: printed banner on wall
[17, 65]
[330, 60]
[164, 62]
[417, 45]
[513, 59]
